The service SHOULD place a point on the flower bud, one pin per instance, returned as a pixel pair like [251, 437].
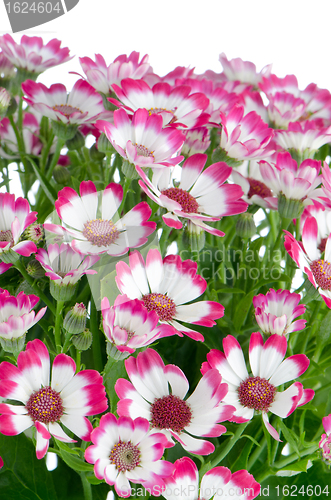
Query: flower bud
[289, 209]
[34, 233]
[245, 227]
[95, 154]
[35, 269]
[61, 174]
[63, 130]
[104, 145]
[82, 341]
[129, 170]
[75, 319]
[77, 142]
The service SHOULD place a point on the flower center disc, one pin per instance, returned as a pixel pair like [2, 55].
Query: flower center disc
[164, 307]
[321, 270]
[170, 412]
[256, 393]
[185, 199]
[7, 236]
[100, 232]
[66, 109]
[45, 405]
[143, 151]
[258, 188]
[125, 456]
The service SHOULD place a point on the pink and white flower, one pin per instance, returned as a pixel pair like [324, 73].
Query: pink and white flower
[125, 451]
[245, 71]
[7, 70]
[285, 108]
[275, 312]
[157, 392]
[183, 484]
[166, 286]
[88, 220]
[177, 106]
[31, 54]
[15, 217]
[129, 326]
[196, 141]
[245, 137]
[17, 314]
[304, 137]
[45, 405]
[258, 392]
[82, 105]
[323, 215]
[199, 192]
[142, 140]
[325, 442]
[308, 257]
[64, 265]
[102, 77]
[30, 133]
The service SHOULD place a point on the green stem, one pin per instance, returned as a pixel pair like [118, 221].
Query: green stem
[59, 145]
[230, 444]
[126, 187]
[94, 327]
[78, 360]
[87, 487]
[58, 324]
[294, 457]
[32, 283]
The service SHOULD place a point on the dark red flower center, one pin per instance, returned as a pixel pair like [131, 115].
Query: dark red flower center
[256, 393]
[321, 270]
[170, 412]
[185, 199]
[125, 456]
[7, 236]
[258, 188]
[66, 109]
[322, 245]
[45, 405]
[164, 307]
[100, 232]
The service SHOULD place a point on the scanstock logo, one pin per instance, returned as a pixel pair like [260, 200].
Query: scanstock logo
[30, 13]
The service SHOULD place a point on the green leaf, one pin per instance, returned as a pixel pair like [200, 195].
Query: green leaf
[300, 466]
[66, 448]
[75, 183]
[228, 289]
[112, 372]
[75, 463]
[23, 476]
[47, 187]
[94, 480]
[290, 437]
[324, 332]
[242, 309]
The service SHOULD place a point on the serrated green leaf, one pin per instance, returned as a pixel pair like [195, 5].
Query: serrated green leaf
[290, 437]
[300, 466]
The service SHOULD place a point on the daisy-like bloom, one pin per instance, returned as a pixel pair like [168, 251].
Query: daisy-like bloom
[199, 192]
[308, 257]
[285, 108]
[125, 451]
[323, 215]
[165, 286]
[196, 141]
[296, 186]
[142, 140]
[252, 101]
[82, 105]
[102, 77]
[32, 55]
[245, 137]
[258, 392]
[249, 178]
[149, 395]
[44, 404]
[217, 483]
[177, 106]
[178, 74]
[244, 71]
[129, 326]
[325, 442]
[15, 217]
[30, 131]
[305, 138]
[89, 220]
[275, 312]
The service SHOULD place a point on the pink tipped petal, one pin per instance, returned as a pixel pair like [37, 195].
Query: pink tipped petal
[235, 356]
[289, 369]
[270, 428]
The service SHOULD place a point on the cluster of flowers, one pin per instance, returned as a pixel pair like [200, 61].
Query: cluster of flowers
[237, 152]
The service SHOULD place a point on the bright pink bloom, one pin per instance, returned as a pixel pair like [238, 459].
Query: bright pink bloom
[30, 132]
[17, 314]
[183, 484]
[305, 137]
[125, 451]
[325, 442]
[308, 257]
[88, 220]
[63, 265]
[15, 217]
[285, 108]
[199, 192]
[178, 74]
[32, 54]
[252, 101]
[143, 141]
[323, 215]
[149, 395]
[177, 106]
[82, 105]
[129, 326]
[258, 392]
[275, 312]
[44, 404]
[165, 286]
[196, 141]
[102, 77]
[245, 137]
[245, 71]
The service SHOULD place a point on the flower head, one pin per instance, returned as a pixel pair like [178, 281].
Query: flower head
[125, 451]
[201, 195]
[45, 404]
[244, 71]
[196, 141]
[165, 286]
[258, 392]
[325, 442]
[276, 311]
[9, 148]
[169, 411]
[304, 137]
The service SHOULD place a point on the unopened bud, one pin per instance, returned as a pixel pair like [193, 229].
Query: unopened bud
[82, 341]
[5, 99]
[35, 269]
[61, 174]
[77, 142]
[75, 319]
[34, 233]
[245, 227]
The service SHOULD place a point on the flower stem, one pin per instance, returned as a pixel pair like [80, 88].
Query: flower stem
[94, 327]
[58, 322]
[59, 145]
[230, 444]
[87, 487]
[127, 184]
[32, 283]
